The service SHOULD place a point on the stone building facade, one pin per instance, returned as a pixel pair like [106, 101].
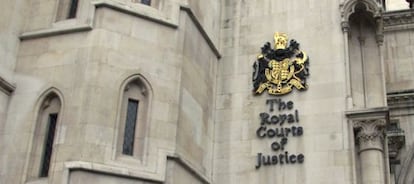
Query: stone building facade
[160, 91]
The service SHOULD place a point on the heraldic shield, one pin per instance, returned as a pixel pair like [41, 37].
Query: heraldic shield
[281, 69]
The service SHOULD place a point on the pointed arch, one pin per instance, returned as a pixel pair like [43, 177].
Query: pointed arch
[363, 37]
[140, 79]
[134, 115]
[47, 93]
[349, 8]
[47, 118]
[372, 9]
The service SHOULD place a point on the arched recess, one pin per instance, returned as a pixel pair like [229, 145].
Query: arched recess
[349, 8]
[362, 26]
[48, 115]
[406, 174]
[133, 117]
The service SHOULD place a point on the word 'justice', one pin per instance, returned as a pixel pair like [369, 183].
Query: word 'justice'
[278, 125]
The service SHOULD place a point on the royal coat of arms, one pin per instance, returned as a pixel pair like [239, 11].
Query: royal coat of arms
[281, 69]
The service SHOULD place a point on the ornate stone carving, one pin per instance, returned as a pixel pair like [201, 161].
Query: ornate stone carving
[348, 8]
[373, 7]
[345, 26]
[399, 20]
[404, 99]
[370, 133]
[396, 140]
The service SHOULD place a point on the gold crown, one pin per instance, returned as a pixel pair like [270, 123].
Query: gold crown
[280, 40]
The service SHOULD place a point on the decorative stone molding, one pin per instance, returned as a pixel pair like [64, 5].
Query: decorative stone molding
[396, 140]
[85, 23]
[370, 133]
[398, 20]
[6, 87]
[110, 169]
[374, 7]
[369, 127]
[380, 31]
[345, 26]
[404, 99]
[348, 8]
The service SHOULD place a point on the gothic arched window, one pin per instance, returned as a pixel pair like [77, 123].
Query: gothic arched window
[134, 117]
[44, 135]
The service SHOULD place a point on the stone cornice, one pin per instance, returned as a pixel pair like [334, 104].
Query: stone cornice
[127, 173]
[6, 87]
[86, 22]
[55, 31]
[403, 99]
[368, 113]
[398, 20]
[187, 165]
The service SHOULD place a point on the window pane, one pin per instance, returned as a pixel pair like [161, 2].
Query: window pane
[72, 9]
[147, 2]
[129, 133]
[48, 146]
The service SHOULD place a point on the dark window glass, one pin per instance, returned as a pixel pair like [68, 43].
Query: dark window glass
[130, 122]
[147, 2]
[48, 146]
[72, 9]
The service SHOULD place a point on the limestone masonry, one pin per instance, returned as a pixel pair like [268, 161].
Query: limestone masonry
[207, 92]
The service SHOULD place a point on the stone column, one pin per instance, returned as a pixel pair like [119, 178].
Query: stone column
[370, 139]
[345, 30]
